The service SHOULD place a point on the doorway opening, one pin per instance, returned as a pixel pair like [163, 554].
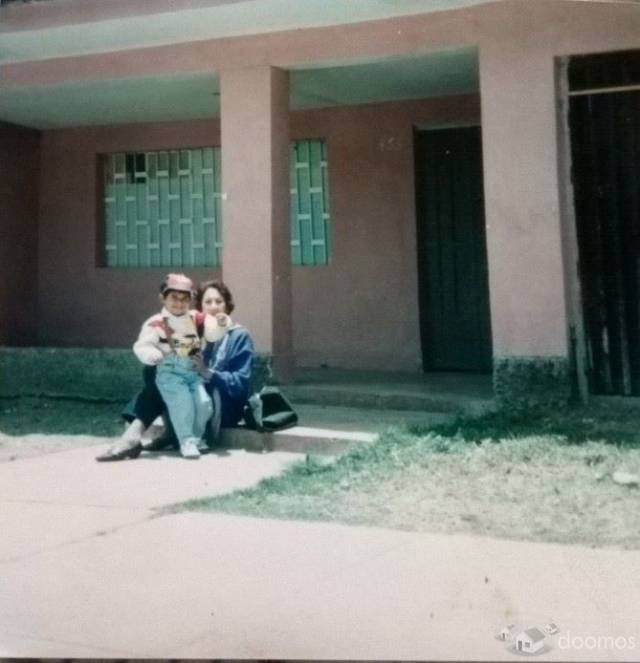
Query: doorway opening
[453, 283]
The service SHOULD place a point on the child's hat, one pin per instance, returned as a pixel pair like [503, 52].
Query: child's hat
[178, 282]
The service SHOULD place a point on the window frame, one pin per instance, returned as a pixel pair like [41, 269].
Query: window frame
[204, 244]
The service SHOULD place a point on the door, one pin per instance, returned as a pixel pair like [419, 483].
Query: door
[605, 146]
[452, 256]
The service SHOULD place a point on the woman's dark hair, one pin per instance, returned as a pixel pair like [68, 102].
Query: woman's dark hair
[221, 288]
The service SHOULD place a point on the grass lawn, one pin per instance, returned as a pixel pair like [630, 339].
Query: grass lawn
[25, 415]
[539, 476]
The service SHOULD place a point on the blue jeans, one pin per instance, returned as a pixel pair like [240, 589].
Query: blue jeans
[187, 400]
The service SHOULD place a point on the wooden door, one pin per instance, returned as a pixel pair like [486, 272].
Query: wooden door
[452, 256]
[605, 146]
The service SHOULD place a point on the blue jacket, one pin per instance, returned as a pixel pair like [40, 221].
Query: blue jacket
[231, 361]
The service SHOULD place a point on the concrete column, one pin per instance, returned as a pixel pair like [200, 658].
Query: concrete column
[256, 258]
[524, 239]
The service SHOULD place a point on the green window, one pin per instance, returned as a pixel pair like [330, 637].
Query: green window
[309, 209]
[162, 209]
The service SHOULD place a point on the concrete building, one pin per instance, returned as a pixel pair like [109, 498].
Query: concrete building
[382, 184]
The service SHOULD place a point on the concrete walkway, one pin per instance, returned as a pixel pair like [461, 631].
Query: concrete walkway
[89, 569]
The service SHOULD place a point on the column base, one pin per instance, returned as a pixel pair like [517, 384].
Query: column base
[271, 369]
[262, 369]
[282, 366]
[521, 382]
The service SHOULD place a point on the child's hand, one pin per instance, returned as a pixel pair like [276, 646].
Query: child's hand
[154, 357]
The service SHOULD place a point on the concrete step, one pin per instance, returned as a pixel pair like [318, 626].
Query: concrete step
[444, 392]
[329, 429]
[365, 419]
[397, 399]
[298, 439]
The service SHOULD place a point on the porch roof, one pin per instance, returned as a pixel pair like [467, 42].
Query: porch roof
[70, 63]
[64, 28]
[66, 63]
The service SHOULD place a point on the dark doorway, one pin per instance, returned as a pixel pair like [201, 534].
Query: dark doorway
[452, 256]
[605, 151]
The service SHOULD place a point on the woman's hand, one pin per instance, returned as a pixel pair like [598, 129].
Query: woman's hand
[215, 327]
[201, 367]
[223, 320]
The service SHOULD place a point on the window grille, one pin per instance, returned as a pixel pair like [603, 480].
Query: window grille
[162, 209]
[309, 209]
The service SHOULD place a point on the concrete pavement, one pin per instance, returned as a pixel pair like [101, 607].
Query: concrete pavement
[89, 569]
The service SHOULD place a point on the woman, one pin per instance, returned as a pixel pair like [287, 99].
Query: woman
[226, 367]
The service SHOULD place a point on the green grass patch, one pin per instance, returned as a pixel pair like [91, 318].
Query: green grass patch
[86, 373]
[539, 476]
[610, 422]
[22, 416]
[108, 374]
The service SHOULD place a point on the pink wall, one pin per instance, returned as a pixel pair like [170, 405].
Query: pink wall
[360, 311]
[111, 303]
[19, 164]
[532, 265]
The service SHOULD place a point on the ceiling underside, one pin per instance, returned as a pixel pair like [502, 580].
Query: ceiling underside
[38, 31]
[178, 98]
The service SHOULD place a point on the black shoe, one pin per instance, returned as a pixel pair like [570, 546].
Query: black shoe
[109, 455]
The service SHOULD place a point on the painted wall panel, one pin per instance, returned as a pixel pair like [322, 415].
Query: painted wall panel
[358, 311]
[105, 306]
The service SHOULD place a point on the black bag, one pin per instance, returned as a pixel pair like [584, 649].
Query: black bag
[268, 410]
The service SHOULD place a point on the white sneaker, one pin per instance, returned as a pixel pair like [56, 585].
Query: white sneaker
[189, 448]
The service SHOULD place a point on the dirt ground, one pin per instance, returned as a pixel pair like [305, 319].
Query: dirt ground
[18, 416]
[14, 447]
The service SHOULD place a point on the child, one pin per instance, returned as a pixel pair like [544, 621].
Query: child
[169, 340]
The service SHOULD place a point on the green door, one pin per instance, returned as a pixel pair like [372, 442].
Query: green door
[452, 257]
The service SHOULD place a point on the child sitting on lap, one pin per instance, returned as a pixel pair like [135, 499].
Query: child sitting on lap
[170, 339]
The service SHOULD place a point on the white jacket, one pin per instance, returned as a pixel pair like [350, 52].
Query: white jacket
[153, 343]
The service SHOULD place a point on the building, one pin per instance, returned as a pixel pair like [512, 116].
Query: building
[530, 640]
[506, 632]
[384, 185]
